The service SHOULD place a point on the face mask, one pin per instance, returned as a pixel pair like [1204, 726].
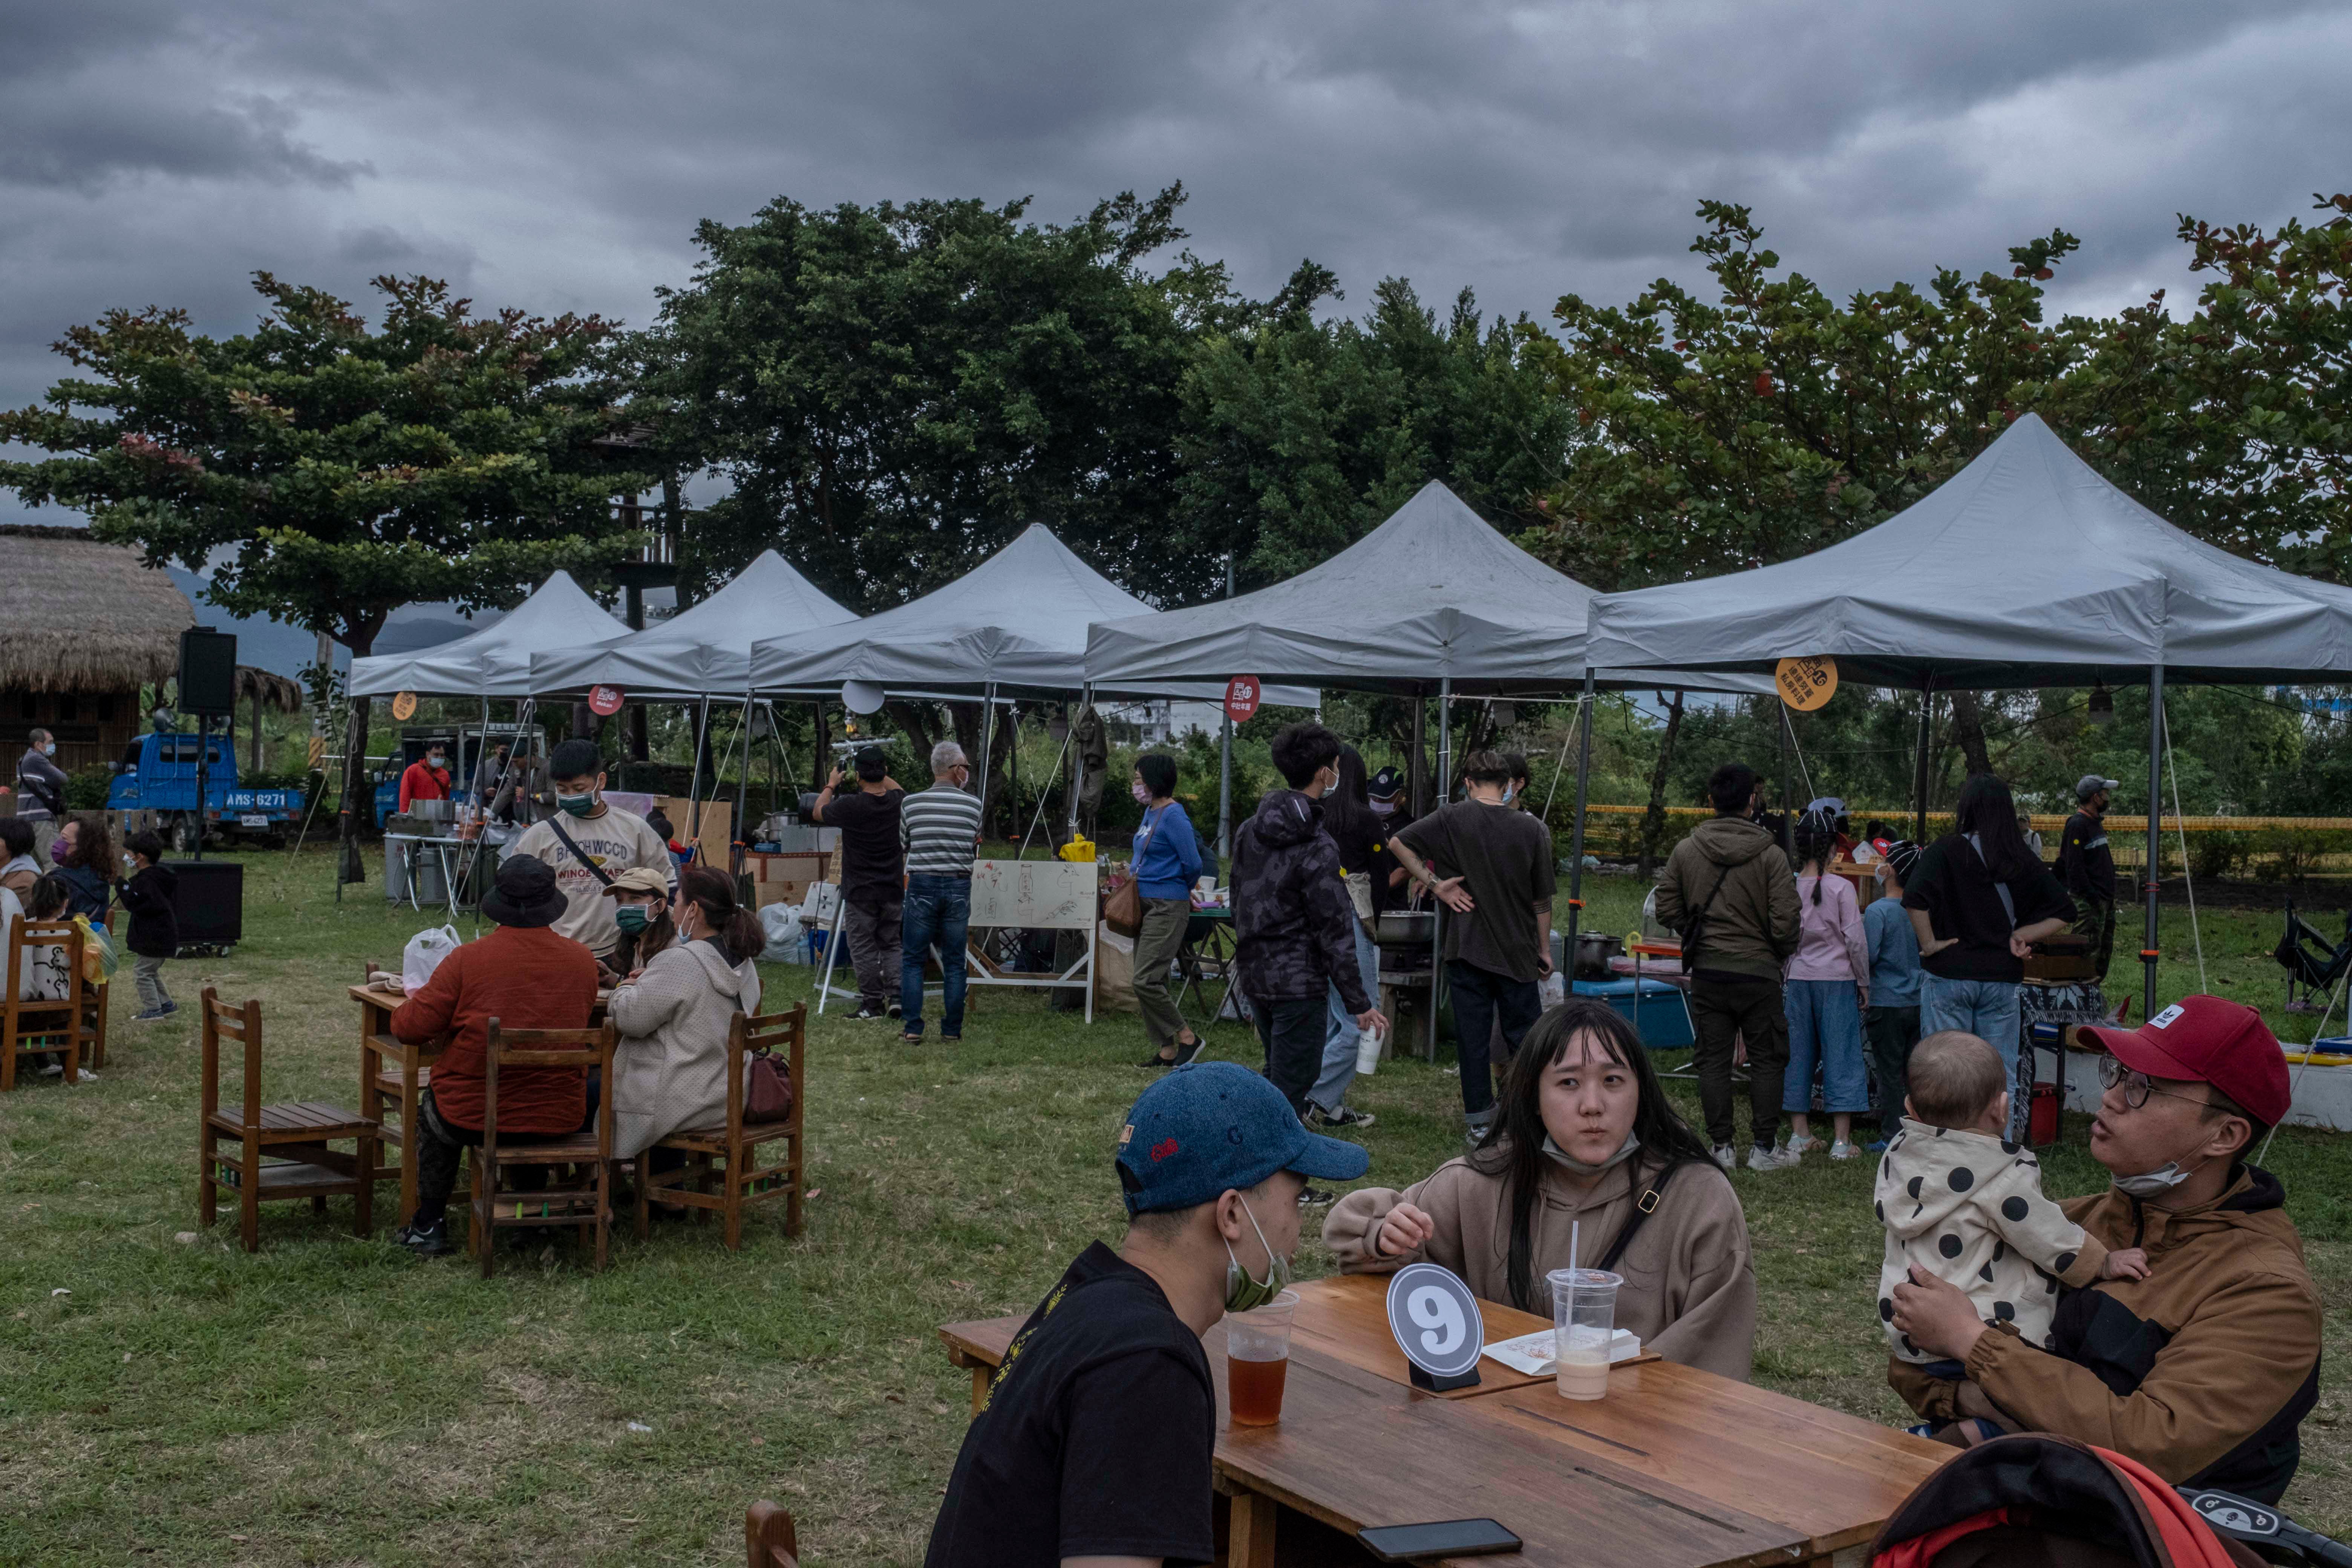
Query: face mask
[1142, 795]
[1507, 792]
[436, 762]
[1624, 1152]
[50, 750]
[1383, 807]
[577, 804]
[1242, 1292]
[630, 918]
[57, 851]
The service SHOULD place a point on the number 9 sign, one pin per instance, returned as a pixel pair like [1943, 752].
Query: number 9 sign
[1435, 1319]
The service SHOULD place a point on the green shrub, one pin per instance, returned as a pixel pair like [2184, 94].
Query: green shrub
[86, 789]
[2219, 854]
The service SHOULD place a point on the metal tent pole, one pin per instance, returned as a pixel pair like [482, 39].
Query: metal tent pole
[987, 744]
[1919, 772]
[1788, 783]
[1444, 791]
[743, 790]
[1575, 830]
[1225, 755]
[1076, 755]
[2149, 953]
[694, 776]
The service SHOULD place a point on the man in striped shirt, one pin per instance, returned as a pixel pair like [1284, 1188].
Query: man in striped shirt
[940, 827]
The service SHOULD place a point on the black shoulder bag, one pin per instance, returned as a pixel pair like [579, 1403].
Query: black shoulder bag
[1645, 1204]
[579, 855]
[1694, 928]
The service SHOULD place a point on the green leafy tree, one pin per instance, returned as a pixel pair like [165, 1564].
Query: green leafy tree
[327, 474]
[1299, 436]
[894, 392]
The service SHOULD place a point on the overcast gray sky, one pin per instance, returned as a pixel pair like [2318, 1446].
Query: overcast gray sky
[556, 156]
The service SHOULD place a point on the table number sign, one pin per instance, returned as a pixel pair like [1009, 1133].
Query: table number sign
[1436, 1323]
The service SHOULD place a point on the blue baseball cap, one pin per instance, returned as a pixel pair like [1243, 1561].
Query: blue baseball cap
[1214, 1126]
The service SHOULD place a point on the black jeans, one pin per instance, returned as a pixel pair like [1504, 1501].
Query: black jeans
[1890, 1033]
[1292, 1032]
[1481, 996]
[1751, 1008]
[441, 1144]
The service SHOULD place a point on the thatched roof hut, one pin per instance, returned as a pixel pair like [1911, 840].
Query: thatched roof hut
[262, 689]
[77, 616]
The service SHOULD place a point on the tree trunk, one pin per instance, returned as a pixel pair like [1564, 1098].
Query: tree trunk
[1653, 821]
[359, 801]
[915, 719]
[1967, 730]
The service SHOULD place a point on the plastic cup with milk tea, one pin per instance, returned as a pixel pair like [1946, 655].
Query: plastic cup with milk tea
[1583, 1322]
[1257, 1361]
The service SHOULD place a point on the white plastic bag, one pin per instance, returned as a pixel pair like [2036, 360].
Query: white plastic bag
[782, 924]
[424, 954]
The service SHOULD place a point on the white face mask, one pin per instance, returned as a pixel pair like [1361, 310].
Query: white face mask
[1624, 1152]
[1383, 808]
[1507, 794]
[1142, 795]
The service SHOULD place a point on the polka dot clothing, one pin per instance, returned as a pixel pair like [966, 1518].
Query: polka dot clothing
[1967, 1209]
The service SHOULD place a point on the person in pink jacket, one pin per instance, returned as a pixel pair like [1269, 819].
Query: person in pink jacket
[1828, 986]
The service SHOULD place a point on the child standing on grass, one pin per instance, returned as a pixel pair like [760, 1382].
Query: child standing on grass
[149, 895]
[1963, 1205]
[1892, 1019]
[1828, 987]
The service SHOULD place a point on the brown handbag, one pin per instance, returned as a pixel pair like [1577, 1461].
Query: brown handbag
[1123, 910]
[768, 1092]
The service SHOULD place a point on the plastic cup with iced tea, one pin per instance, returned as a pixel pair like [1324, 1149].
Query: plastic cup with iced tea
[1583, 1322]
[1257, 1361]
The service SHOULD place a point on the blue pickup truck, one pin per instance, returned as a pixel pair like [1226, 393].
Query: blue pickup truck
[164, 781]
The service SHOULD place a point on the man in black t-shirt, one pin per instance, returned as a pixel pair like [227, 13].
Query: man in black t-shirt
[1095, 1438]
[2087, 867]
[873, 876]
[1491, 868]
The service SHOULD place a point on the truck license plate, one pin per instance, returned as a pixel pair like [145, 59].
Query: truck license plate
[253, 819]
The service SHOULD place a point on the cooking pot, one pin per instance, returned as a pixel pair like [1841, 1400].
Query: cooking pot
[1404, 928]
[1593, 951]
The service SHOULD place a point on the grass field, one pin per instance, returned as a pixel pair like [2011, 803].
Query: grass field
[333, 1401]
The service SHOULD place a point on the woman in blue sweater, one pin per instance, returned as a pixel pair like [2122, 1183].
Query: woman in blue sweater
[1167, 863]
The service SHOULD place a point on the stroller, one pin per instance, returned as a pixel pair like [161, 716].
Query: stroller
[2311, 961]
[2038, 1501]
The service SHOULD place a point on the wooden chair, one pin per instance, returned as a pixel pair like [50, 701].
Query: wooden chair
[41, 1027]
[589, 1206]
[741, 1179]
[769, 1540]
[295, 1136]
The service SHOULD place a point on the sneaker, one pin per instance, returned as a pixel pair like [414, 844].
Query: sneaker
[170, 1008]
[1876, 1145]
[892, 1011]
[83, 1075]
[150, 1016]
[1842, 1150]
[424, 1242]
[1343, 1117]
[1799, 1147]
[53, 1069]
[865, 1013]
[1725, 1157]
[1759, 1158]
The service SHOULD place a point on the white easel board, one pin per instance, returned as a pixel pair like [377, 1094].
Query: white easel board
[1035, 895]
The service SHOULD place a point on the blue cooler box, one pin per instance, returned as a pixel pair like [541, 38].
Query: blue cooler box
[1660, 1015]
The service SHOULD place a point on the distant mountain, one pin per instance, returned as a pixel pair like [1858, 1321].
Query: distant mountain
[281, 649]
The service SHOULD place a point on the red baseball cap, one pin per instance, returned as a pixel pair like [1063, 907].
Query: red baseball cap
[2206, 1039]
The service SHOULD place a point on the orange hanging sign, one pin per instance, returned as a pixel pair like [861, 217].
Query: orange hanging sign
[1806, 683]
[404, 706]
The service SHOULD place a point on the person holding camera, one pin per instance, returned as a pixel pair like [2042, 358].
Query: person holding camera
[873, 874]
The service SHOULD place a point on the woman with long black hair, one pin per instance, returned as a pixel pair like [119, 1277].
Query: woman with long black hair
[1980, 901]
[1348, 818]
[1585, 1137]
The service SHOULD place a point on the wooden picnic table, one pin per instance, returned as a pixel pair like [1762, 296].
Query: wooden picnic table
[393, 1076]
[1677, 1467]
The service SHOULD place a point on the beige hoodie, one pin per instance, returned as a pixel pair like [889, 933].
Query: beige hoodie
[670, 1066]
[1690, 1292]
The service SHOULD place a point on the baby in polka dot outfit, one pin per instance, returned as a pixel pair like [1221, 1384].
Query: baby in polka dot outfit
[1961, 1202]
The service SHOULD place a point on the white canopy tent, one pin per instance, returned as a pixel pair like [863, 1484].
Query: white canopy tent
[703, 651]
[2024, 569]
[1433, 602]
[496, 660]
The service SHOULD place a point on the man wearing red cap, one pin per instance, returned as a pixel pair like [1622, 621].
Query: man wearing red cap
[2203, 1370]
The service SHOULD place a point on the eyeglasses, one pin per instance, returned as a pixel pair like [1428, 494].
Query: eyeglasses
[2137, 1086]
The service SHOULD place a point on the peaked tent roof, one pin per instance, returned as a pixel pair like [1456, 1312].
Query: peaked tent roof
[2026, 568]
[1435, 592]
[496, 660]
[1018, 619]
[705, 650]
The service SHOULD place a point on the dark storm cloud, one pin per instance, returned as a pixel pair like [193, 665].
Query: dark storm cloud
[556, 156]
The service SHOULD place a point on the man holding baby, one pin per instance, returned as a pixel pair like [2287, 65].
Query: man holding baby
[2190, 1339]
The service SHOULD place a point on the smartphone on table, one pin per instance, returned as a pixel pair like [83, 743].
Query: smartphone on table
[1447, 1538]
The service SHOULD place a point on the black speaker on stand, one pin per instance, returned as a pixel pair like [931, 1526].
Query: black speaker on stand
[208, 690]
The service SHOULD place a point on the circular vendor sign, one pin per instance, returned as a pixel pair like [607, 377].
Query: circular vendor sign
[404, 706]
[1435, 1319]
[604, 700]
[1242, 694]
[1806, 683]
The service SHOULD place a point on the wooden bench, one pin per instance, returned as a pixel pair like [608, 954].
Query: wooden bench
[739, 1177]
[281, 1151]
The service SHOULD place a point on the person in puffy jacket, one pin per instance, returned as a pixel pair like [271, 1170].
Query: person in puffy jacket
[150, 895]
[1293, 925]
[673, 1017]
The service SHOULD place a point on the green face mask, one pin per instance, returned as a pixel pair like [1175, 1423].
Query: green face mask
[577, 804]
[630, 918]
[1242, 1292]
